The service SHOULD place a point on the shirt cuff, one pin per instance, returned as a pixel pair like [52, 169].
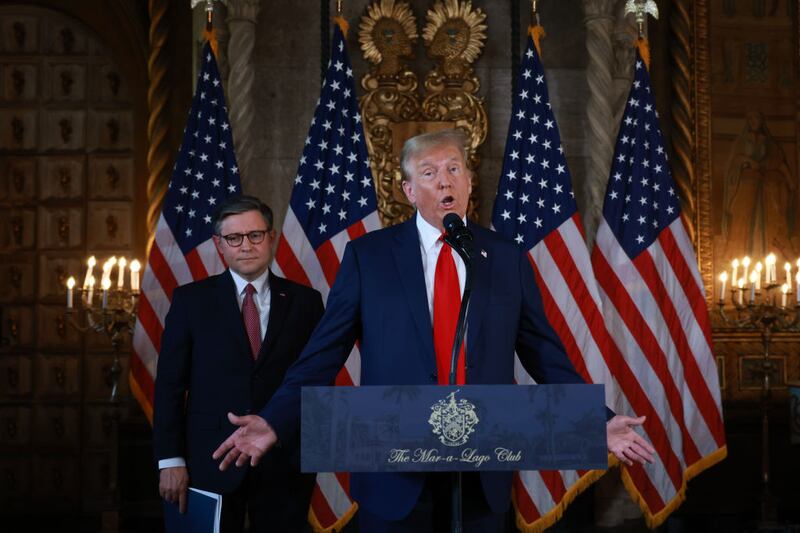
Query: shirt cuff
[172, 462]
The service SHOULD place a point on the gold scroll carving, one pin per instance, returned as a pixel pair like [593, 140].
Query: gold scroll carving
[394, 109]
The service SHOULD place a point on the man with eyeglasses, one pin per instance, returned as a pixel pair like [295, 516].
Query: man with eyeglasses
[228, 341]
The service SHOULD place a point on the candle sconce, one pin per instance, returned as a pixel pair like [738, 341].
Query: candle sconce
[113, 313]
[766, 308]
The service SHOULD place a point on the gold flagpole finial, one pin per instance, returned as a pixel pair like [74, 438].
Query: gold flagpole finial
[534, 12]
[641, 8]
[339, 7]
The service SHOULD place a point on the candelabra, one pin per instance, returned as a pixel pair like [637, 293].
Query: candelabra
[761, 313]
[113, 313]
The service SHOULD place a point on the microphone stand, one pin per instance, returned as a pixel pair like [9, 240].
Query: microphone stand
[456, 525]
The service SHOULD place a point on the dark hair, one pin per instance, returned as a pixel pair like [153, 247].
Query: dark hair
[241, 203]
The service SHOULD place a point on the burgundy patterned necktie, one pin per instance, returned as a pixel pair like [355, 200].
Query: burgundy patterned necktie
[252, 323]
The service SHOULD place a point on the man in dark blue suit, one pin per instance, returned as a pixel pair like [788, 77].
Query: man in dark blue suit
[227, 343]
[385, 296]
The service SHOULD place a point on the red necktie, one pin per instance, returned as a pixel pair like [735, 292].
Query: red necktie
[446, 302]
[252, 322]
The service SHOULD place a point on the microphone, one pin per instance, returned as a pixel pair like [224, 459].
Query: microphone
[458, 235]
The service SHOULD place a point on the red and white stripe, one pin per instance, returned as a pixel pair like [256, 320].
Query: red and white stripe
[571, 302]
[297, 260]
[655, 309]
[166, 269]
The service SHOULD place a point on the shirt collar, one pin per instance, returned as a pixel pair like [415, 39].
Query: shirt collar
[261, 283]
[428, 234]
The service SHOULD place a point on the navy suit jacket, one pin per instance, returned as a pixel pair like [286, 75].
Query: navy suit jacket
[205, 370]
[379, 298]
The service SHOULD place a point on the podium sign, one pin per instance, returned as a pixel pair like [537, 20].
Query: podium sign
[415, 428]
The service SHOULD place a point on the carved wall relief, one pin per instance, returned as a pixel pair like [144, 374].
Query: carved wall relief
[112, 174]
[63, 229]
[65, 128]
[18, 179]
[114, 83]
[17, 227]
[112, 125]
[67, 81]
[112, 227]
[67, 40]
[18, 29]
[17, 130]
[18, 82]
[64, 178]
[392, 107]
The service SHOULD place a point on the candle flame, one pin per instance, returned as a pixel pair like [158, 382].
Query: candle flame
[784, 288]
[106, 284]
[71, 283]
[746, 261]
[92, 261]
[91, 281]
[770, 259]
[135, 265]
[723, 277]
[735, 263]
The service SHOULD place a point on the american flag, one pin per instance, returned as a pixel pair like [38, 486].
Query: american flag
[333, 201]
[535, 206]
[205, 173]
[654, 306]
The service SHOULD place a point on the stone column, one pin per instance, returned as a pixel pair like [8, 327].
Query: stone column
[599, 19]
[242, 26]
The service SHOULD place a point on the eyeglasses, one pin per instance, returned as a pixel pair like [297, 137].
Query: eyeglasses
[236, 239]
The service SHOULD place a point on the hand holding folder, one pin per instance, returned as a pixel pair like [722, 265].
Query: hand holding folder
[203, 513]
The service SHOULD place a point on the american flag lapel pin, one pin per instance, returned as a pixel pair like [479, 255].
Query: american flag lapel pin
[484, 254]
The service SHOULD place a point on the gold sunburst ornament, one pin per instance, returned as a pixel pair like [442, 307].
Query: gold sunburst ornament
[454, 34]
[386, 34]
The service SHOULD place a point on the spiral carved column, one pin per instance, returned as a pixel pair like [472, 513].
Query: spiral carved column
[242, 27]
[600, 108]
[683, 134]
[158, 151]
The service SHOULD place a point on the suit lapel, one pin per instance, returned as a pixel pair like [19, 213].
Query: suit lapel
[481, 279]
[279, 300]
[230, 314]
[409, 264]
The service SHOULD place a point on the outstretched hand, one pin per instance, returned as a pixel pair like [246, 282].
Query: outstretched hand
[249, 442]
[627, 445]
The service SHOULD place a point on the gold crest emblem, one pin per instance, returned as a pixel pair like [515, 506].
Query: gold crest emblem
[453, 421]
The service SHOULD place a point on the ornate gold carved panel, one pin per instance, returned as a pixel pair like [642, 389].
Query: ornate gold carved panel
[394, 108]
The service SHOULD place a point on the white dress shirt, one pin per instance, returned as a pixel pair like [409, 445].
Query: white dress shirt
[262, 301]
[430, 246]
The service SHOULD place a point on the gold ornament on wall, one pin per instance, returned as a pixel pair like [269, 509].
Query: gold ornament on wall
[392, 107]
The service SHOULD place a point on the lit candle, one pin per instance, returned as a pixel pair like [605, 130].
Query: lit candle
[70, 286]
[135, 266]
[772, 274]
[784, 290]
[746, 265]
[788, 268]
[797, 286]
[723, 279]
[735, 270]
[92, 261]
[759, 268]
[740, 285]
[106, 285]
[753, 278]
[90, 292]
[121, 278]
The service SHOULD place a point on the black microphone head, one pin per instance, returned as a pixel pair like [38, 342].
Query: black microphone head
[452, 222]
